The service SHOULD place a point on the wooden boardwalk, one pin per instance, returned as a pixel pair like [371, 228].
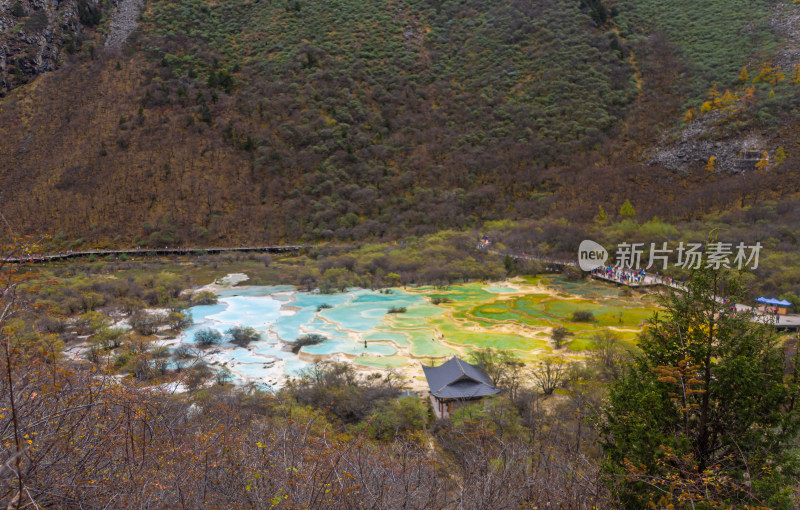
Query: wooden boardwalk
[648, 281]
[781, 322]
[52, 257]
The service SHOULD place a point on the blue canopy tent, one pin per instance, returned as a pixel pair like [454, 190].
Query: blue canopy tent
[782, 304]
[774, 302]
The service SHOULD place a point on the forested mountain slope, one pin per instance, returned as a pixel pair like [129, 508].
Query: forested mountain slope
[274, 120]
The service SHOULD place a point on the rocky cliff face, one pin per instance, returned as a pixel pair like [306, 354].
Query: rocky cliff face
[695, 147]
[740, 149]
[35, 35]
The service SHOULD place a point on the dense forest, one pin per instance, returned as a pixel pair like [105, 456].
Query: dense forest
[266, 121]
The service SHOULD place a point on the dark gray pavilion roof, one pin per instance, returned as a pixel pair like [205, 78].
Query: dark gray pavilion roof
[458, 379]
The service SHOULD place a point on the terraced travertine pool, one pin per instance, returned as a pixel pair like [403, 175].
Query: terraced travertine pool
[517, 316]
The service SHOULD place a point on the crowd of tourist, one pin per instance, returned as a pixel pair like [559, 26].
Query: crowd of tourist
[626, 276]
[634, 276]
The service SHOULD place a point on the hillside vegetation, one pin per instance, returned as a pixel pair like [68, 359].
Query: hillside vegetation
[716, 39]
[249, 121]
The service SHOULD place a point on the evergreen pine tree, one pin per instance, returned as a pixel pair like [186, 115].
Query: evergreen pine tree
[705, 415]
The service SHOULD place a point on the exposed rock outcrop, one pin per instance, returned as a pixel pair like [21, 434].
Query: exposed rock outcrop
[696, 146]
[36, 34]
[701, 140]
[734, 155]
[123, 22]
[785, 22]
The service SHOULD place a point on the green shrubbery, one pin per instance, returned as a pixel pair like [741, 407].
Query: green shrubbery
[440, 300]
[204, 298]
[208, 337]
[85, 292]
[242, 336]
[717, 36]
[339, 389]
[309, 339]
[179, 320]
[398, 417]
[582, 316]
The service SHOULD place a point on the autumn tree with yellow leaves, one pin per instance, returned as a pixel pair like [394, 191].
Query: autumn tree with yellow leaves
[769, 73]
[710, 165]
[744, 76]
[780, 155]
[763, 163]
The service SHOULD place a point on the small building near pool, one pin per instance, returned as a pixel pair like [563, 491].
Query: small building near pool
[455, 384]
